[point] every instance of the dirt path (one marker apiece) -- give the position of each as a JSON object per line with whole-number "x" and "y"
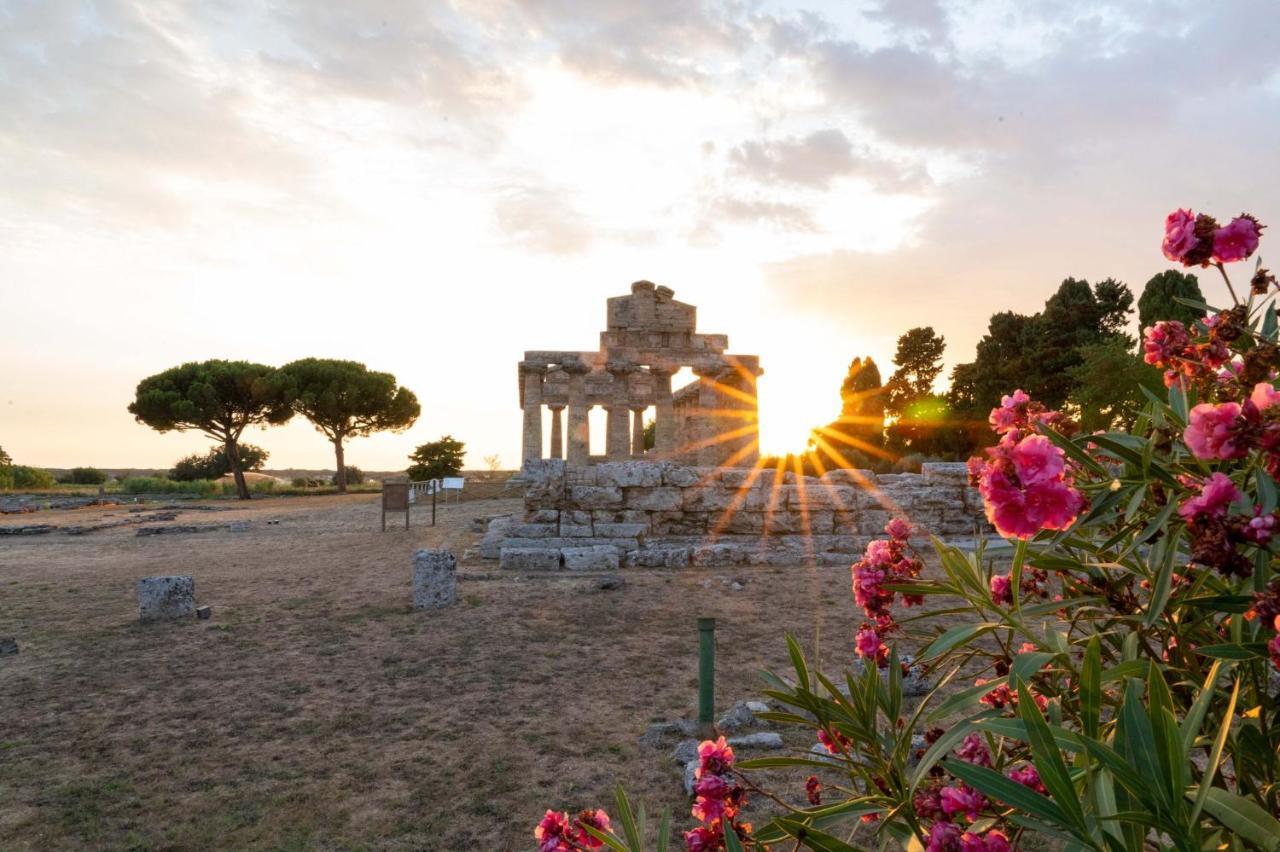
{"x": 318, "y": 710}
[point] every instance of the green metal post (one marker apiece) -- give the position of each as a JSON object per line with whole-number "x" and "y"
{"x": 706, "y": 670}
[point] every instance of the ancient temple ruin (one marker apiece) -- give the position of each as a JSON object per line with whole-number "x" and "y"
{"x": 712, "y": 421}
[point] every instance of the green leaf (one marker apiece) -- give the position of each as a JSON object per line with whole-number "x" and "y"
{"x": 1048, "y": 759}
{"x": 964, "y": 697}
{"x": 1178, "y": 402}
{"x": 1230, "y": 651}
{"x": 731, "y": 841}
{"x": 779, "y": 762}
{"x": 959, "y": 635}
{"x": 943, "y": 745}
{"x": 813, "y": 838}
{"x": 1244, "y": 818}
{"x": 1135, "y": 739}
{"x": 1075, "y": 453}
{"x": 993, "y": 784}
{"x": 628, "y": 820}
{"x": 1091, "y": 688}
{"x": 1027, "y": 664}
{"x": 797, "y": 660}
{"x": 1195, "y": 716}
{"x": 1266, "y": 491}
{"x": 1215, "y": 755}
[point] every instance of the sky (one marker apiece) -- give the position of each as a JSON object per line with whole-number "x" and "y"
{"x": 432, "y": 188}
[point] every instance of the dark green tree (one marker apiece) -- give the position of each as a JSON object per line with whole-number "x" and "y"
{"x": 437, "y": 459}
{"x": 919, "y": 363}
{"x": 858, "y": 433}
{"x": 86, "y": 476}
{"x": 1159, "y": 299}
{"x": 650, "y": 435}
{"x": 354, "y": 476}
{"x": 218, "y": 398}
{"x": 214, "y": 464}
{"x": 1108, "y": 383}
{"x": 1038, "y": 353}
{"x": 5, "y": 458}
{"x": 345, "y": 399}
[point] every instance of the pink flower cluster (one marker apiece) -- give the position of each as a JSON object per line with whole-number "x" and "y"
{"x": 1195, "y": 240}
{"x": 556, "y": 833}
{"x": 717, "y": 799}
{"x": 1024, "y": 481}
{"x": 1035, "y": 583}
{"x": 947, "y": 837}
{"x": 1216, "y": 496}
{"x": 885, "y": 560}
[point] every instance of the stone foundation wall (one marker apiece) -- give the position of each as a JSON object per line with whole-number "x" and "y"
{"x": 664, "y": 515}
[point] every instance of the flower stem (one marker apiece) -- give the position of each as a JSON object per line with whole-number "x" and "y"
{"x": 1231, "y": 289}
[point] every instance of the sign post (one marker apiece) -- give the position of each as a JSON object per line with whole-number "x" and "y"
{"x": 395, "y": 498}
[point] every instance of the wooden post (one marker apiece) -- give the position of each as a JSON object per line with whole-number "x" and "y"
{"x": 433, "y": 501}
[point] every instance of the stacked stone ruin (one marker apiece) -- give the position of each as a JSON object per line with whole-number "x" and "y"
{"x": 698, "y": 497}
{"x": 667, "y": 515}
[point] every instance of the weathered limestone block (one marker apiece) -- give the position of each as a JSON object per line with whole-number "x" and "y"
{"x": 543, "y": 482}
{"x": 644, "y": 474}
{"x": 620, "y": 516}
{"x": 713, "y": 498}
{"x": 576, "y": 530}
{"x": 951, "y": 473}
{"x": 529, "y": 559}
{"x": 594, "y": 496}
{"x": 679, "y": 523}
{"x": 576, "y": 516}
{"x": 745, "y": 523}
{"x": 856, "y": 477}
{"x": 542, "y": 516}
{"x": 871, "y": 522}
{"x": 621, "y": 530}
{"x": 580, "y": 476}
{"x": 717, "y": 554}
{"x": 681, "y": 476}
{"x": 595, "y": 558}
{"x": 733, "y": 478}
{"x": 166, "y": 598}
{"x": 435, "y": 580}
{"x": 499, "y": 530}
{"x": 821, "y": 522}
{"x": 661, "y": 556}
{"x": 662, "y": 499}
{"x": 535, "y": 531}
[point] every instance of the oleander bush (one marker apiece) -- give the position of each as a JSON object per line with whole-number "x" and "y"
{"x": 1109, "y": 681}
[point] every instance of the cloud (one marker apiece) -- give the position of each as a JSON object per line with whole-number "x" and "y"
{"x": 540, "y": 220}
{"x": 656, "y": 42}
{"x": 778, "y": 215}
{"x": 821, "y": 157}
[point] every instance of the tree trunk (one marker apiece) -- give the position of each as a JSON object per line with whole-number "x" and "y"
{"x": 341, "y": 478}
{"x": 232, "y": 450}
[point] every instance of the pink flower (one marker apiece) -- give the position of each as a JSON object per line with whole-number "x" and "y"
{"x": 1028, "y": 777}
{"x": 898, "y": 529}
{"x": 995, "y": 841}
{"x": 1209, "y": 434}
{"x": 943, "y": 837}
{"x": 1264, "y": 395}
{"x": 1237, "y": 240}
{"x": 834, "y": 742}
{"x": 712, "y": 793}
{"x": 597, "y": 819}
{"x": 879, "y": 552}
{"x": 1001, "y": 588}
{"x": 1164, "y": 342}
{"x": 963, "y": 800}
{"x": 1273, "y": 647}
{"x": 1260, "y": 528}
{"x": 701, "y": 839}
{"x": 1011, "y": 414}
{"x": 1179, "y": 234}
{"x": 1216, "y": 495}
{"x": 553, "y": 833}
{"x": 868, "y": 642}
{"x": 813, "y": 790}
{"x": 1037, "y": 459}
{"x": 714, "y": 758}
{"x": 974, "y": 750}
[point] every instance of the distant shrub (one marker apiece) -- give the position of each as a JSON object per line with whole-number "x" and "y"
{"x": 31, "y": 477}
{"x": 213, "y": 464}
{"x": 909, "y": 463}
{"x": 6, "y": 477}
{"x": 262, "y": 486}
{"x": 164, "y": 485}
{"x": 354, "y": 476}
{"x": 86, "y": 476}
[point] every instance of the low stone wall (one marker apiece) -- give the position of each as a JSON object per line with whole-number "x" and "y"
{"x": 664, "y": 515}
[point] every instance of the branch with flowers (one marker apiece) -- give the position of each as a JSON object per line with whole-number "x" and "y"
{"x": 1112, "y": 684}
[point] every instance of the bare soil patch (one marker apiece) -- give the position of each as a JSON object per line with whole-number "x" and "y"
{"x": 318, "y": 710}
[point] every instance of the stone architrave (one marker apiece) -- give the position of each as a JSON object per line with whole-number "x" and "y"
{"x": 435, "y": 581}
{"x": 166, "y": 598}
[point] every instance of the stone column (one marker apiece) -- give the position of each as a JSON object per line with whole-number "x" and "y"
{"x": 709, "y": 421}
{"x": 532, "y": 377}
{"x": 637, "y": 432}
{"x": 618, "y": 426}
{"x": 557, "y": 439}
{"x": 579, "y": 451}
{"x": 664, "y": 445}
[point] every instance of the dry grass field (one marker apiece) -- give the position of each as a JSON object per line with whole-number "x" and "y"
{"x": 318, "y": 710}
